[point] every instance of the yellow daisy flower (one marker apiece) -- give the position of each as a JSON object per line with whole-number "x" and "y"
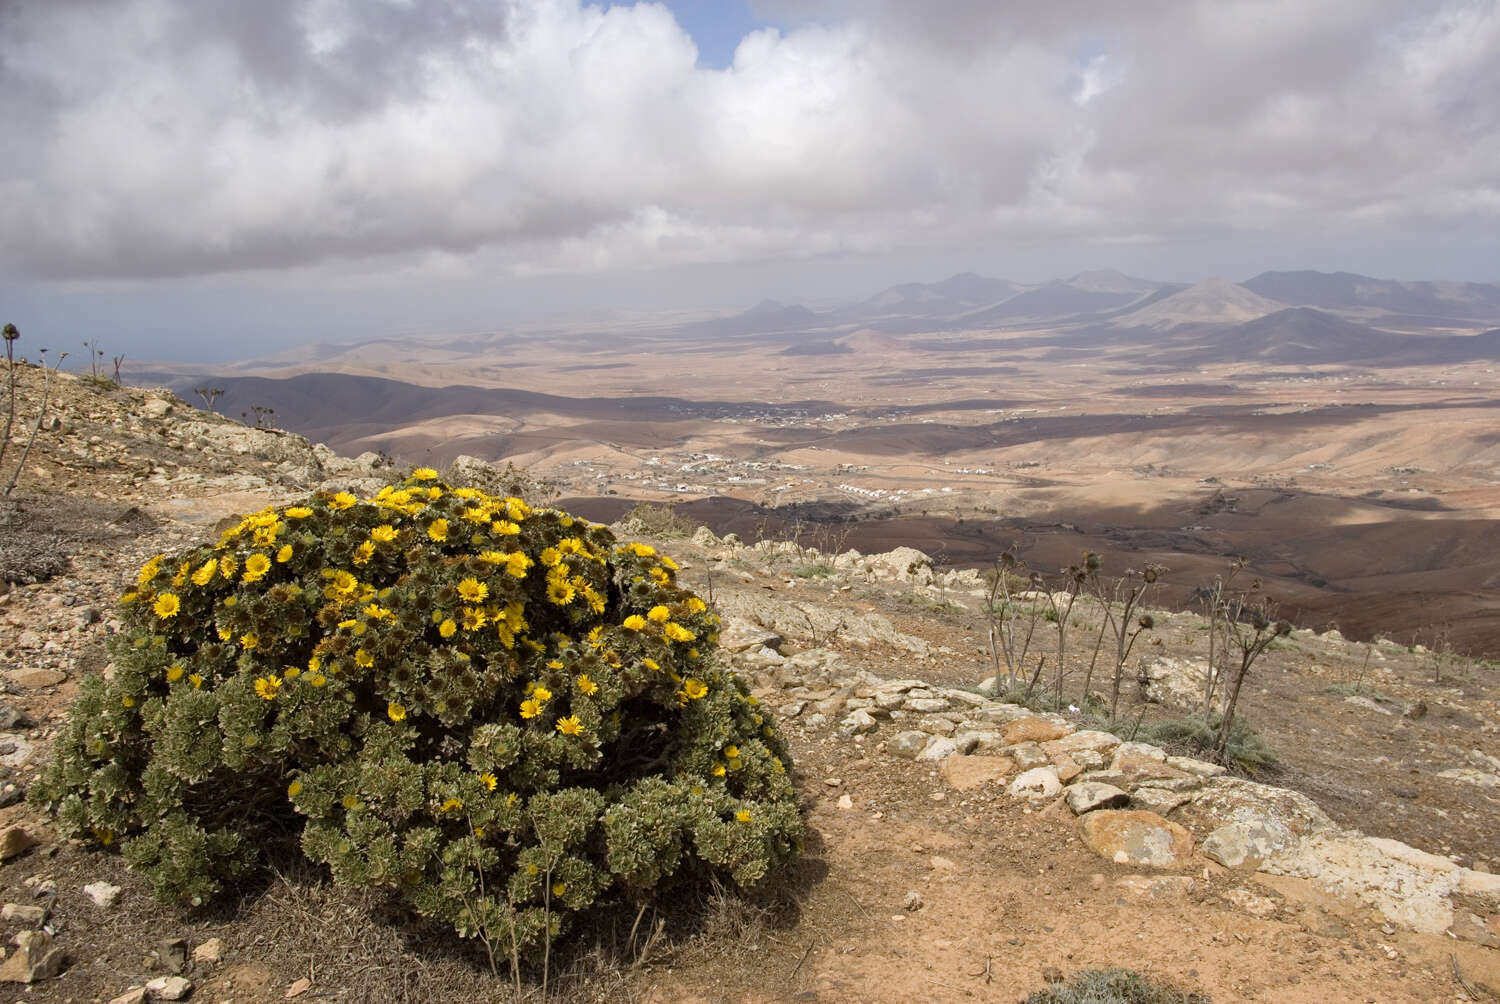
{"x": 569, "y": 726}
{"x": 167, "y": 605}
{"x": 472, "y": 590}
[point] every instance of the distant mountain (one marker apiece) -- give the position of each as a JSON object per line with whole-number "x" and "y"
{"x": 1348, "y": 291}
{"x": 959, "y": 294}
{"x": 1107, "y": 280}
{"x": 1212, "y": 301}
{"x": 1052, "y": 300}
{"x": 1301, "y": 336}
{"x": 765, "y": 318}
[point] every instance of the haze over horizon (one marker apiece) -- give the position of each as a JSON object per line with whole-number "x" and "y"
{"x": 209, "y": 180}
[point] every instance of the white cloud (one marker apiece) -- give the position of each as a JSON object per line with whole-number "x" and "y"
{"x": 179, "y": 137}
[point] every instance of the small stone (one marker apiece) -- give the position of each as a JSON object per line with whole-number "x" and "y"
{"x": 45, "y": 887}
{"x": 24, "y": 914}
{"x": 1089, "y": 796}
{"x": 816, "y": 720}
{"x": 102, "y": 893}
{"x": 1192, "y": 766}
{"x": 1256, "y": 906}
{"x": 913, "y": 902}
{"x": 833, "y": 782}
{"x": 135, "y": 995}
{"x": 908, "y": 744}
{"x": 940, "y": 748}
{"x": 173, "y": 954}
{"x": 12, "y": 718}
{"x": 298, "y": 988}
{"x": 37, "y": 679}
{"x": 926, "y": 705}
{"x": 857, "y": 723}
{"x": 1036, "y": 784}
{"x": 845, "y": 802}
{"x": 15, "y": 840}
{"x": 1067, "y": 767}
{"x": 35, "y": 958}
{"x": 1027, "y": 756}
{"x": 1156, "y": 886}
{"x": 1159, "y": 800}
{"x": 210, "y": 953}
{"x": 169, "y": 988}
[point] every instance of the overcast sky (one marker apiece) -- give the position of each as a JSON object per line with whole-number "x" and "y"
{"x": 217, "y": 178}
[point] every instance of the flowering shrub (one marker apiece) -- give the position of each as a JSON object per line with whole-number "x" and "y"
{"x": 492, "y": 710}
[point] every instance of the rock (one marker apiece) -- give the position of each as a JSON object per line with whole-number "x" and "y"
{"x": 989, "y": 687}
{"x": 37, "y": 679}
{"x": 845, "y": 802}
{"x": 135, "y": 995}
{"x": 1036, "y": 784}
{"x": 1156, "y": 886}
{"x": 1067, "y": 767}
{"x": 1088, "y": 739}
{"x": 965, "y": 773}
{"x": 169, "y": 988}
{"x": 816, "y": 720}
{"x": 1256, "y": 906}
{"x": 173, "y": 954}
{"x": 1089, "y": 796}
{"x": 11, "y": 718}
{"x": 1202, "y": 768}
{"x": 857, "y": 723}
{"x": 210, "y": 953}
{"x": 24, "y": 913}
{"x": 926, "y": 705}
{"x": 1127, "y": 754}
{"x": 1033, "y": 729}
{"x": 940, "y": 748}
{"x": 102, "y": 893}
{"x": 1158, "y": 800}
{"x": 1469, "y": 926}
{"x": 15, "y": 840}
{"x": 1179, "y": 682}
{"x": 1027, "y": 756}
{"x": 738, "y": 636}
{"x": 300, "y": 986}
{"x": 913, "y": 902}
{"x": 908, "y": 744}
{"x": 155, "y": 407}
{"x": 1231, "y": 800}
{"x": 1140, "y": 839}
{"x": 1247, "y": 844}
{"x": 35, "y": 958}
{"x": 1408, "y": 887}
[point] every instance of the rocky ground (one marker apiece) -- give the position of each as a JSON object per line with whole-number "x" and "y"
{"x": 960, "y": 846}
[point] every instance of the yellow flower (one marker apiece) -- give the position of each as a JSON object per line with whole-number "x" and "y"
{"x": 493, "y": 557}
{"x": 489, "y": 781}
{"x": 316, "y": 679}
{"x": 130, "y": 597}
{"x": 676, "y": 632}
{"x": 256, "y": 567}
{"x": 376, "y": 612}
{"x": 651, "y": 664}
{"x": 718, "y": 770}
{"x": 434, "y": 493}
{"x": 148, "y": 571}
{"x": 448, "y": 628}
{"x": 695, "y": 605}
{"x": 558, "y": 888}
{"x": 743, "y": 816}
{"x": 383, "y": 534}
{"x": 424, "y": 474}
{"x": 228, "y": 566}
{"x": 363, "y": 658}
{"x": 660, "y": 577}
{"x": 569, "y": 726}
{"x": 693, "y": 688}
{"x": 731, "y": 752}
{"x": 196, "y": 680}
{"x": 669, "y": 562}
{"x": 395, "y": 712}
{"x": 351, "y": 801}
{"x": 541, "y": 693}
{"x": 634, "y": 622}
{"x": 128, "y": 701}
{"x": 174, "y": 672}
{"x": 340, "y": 500}
{"x": 284, "y": 555}
{"x": 516, "y": 509}
{"x": 474, "y": 618}
{"x": 550, "y": 556}
{"x": 474, "y": 514}
{"x": 517, "y": 563}
{"x": 585, "y": 685}
{"x": 659, "y": 614}
{"x": 298, "y": 512}
{"x": 438, "y": 530}
{"x": 205, "y": 573}
{"x": 560, "y": 593}
{"x": 167, "y": 605}
{"x": 250, "y": 639}
{"x": 452, "y": 805}
{"x": 364, "y": 552}
{"x": 472, "y": 590}
{"x": 267, "y": 686}
{"x": 504, "y": 528}
{"x": 642, "y": 550}
{"x": 530, "y": 708}
{"x": 294, "y": 789}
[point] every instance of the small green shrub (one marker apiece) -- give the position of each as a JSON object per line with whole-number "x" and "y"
{"x": 1247, "y": 751}
{"x": 492, "y": 711}
{"x": 813, "y": 571}
{"x": 657, "y": 520}
{"x": 1113, "y": 986}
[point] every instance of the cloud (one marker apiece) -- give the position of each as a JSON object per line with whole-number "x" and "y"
{"x": 154, "y": 138}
